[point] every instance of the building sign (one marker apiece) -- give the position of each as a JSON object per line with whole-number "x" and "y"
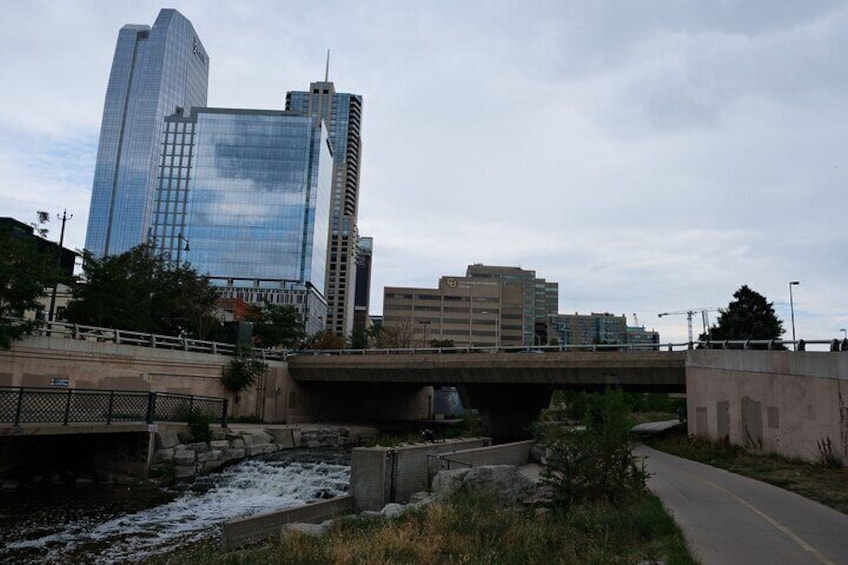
{"x": 59, "y": 382}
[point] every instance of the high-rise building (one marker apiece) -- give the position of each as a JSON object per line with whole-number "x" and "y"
{"x": 154, "y": 71}
{"x": 490, "y": 306}
{"x": 244, "y": 197}
{"x": 342, "y": 114}
{"x": 540, "y": 298}
{"x": 364, "y": 252}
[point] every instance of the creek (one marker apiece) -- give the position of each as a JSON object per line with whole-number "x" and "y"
{"x": 111, "y": 525}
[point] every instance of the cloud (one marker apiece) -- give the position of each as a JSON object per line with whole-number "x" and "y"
{"x": 648, "y": 158}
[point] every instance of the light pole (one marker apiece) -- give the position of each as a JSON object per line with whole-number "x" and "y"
{"x": 844, "y": 333}
{"x": 187, "y": 248}
{"x": 64, "y": 217}
{"x": 424, "y": 323}
{"x": 792, "y": 313}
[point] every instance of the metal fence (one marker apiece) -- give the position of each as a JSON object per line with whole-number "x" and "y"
{"x": 31, "y": 405}
{"x": 156, "y": 341}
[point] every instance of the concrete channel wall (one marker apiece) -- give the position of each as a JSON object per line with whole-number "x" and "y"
{"x": 380, "y": 475}
{"x": 517, "y": 453}
{"x": 237, "y": 533}
{"x": 791, "y": 403}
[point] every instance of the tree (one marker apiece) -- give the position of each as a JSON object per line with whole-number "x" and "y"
{"x": 275, "y": 324}
{"x": 396, "y": 336}
{"x": 24, "y": 274}
{"x": 144, "y": 292}
{"x": 749, "y": 316}
{"x": 326, "y": 340}
{"x": 38, "y": 226}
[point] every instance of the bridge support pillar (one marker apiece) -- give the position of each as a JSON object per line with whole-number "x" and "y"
{"x": 507, "y": 410}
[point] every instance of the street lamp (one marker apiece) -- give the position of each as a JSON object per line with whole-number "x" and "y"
{"x": 844, "y": 333}
{"x": 180, "y": 239}
{"x": 51, "y": 314}
{"x": 792, "y": 313}
{"x": 424, "y": 323}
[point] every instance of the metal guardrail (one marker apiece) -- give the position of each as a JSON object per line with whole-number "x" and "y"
{"x": 36, "y": 405}
{"x": 111, "y": 335}
{"x": 750, "y": 344}
{"x": 156, "y": 341}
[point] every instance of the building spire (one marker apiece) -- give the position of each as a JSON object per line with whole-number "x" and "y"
{"x": 327, "y": 68}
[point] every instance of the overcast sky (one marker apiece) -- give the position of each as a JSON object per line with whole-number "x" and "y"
{"x": 649, "y": 156}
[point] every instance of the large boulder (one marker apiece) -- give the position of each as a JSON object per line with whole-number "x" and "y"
{"x": 503, "y": 483}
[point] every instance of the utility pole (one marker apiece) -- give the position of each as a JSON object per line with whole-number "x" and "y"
{"x": 64, "y": 217}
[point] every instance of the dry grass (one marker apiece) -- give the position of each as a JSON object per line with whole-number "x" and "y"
{"x": 474, "y": 531}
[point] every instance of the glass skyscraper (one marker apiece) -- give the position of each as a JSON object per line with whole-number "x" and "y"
{"x": 244, "y": 196}
{"x": 342, "y": 114}
{"x": 154, "y": 71}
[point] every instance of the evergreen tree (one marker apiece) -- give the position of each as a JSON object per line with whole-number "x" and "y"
{"x": 748, "y": 316}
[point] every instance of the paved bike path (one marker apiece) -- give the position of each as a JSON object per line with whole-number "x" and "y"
{"x": 729, "y": 519}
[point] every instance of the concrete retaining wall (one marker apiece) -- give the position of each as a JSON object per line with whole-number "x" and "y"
{"x": 37, "y": 361}
{"x": 517, "y": 453}
{"x": 237, "y": 533}
{"x": 775, "y": 401}
{"x": 380, "y": 475}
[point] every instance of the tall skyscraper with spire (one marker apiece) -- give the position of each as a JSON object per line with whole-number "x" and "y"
{"x": 342, "y": 114}
{"x": 155, "y": 72}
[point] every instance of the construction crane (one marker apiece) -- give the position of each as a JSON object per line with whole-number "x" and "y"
{"x": 689, "y": 314}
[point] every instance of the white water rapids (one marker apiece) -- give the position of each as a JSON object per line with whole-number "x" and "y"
{"x": 249, "y": 488}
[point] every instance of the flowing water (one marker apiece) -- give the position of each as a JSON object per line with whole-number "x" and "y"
{"x": 115, "y": 525}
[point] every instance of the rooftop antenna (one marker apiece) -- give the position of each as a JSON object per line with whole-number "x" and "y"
{"x": 327, "y": 68}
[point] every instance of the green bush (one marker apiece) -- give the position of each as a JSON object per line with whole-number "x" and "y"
{"x": 198, "y": 423}
{"x": 595, "y": 464}
{"x": 243, "y": 370}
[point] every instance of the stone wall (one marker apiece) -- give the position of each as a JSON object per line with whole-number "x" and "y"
{"x": 176, "y": 448}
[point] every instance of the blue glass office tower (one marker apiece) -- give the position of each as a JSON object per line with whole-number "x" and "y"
{"x": 154, "y": 71}
{"x": 342, "y": 114}
{"x": 244, "y": 196}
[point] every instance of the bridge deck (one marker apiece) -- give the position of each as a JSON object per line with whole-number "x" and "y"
{"x": 646, "y": 370}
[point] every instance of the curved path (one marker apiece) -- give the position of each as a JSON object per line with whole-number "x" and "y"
{"x": 728, "y": 519}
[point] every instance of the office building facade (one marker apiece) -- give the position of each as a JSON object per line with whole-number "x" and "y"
{"x": 244, "y": 197}
{"x": 154, "y": 71}
{"x": 362, "y": 295}
{"x": 589, "y": 329}
{"x": 488, "y": 307}
{"x": 342, "y": 114}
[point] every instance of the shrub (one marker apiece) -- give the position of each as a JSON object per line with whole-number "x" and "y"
{"x": 243, "y": 370}
{"x": 198, "y": 423}
{"x": 595, "y": 464}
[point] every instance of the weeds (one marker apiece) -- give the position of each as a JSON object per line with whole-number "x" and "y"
{"x": 472, "y": 530}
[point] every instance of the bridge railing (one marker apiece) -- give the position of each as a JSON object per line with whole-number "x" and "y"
{"x": 126, "y": 337}
{"x": 767, "y": 344}
{"x": 36, "y": 405}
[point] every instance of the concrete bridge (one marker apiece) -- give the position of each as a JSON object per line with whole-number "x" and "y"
{"x": 508, "y": 389}
{"x": 780, "y": 400}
